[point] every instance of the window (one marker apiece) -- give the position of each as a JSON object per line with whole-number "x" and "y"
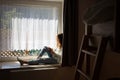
{"x": 27, "y": 27}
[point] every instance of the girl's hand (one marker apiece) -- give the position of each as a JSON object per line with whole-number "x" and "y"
{"x": 51, "y": 50}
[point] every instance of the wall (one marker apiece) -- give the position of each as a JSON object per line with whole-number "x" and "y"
{"x": 83, "y": 5}
{"x": 111, "y": 65}
{"x": 65, "y": 73}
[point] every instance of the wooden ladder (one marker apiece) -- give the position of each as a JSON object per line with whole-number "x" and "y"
{"x": 90, "y": 57}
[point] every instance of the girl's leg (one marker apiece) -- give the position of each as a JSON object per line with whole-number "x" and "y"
{"x": 44, "y": 50}
{"x": 48, "y": 61}
{"x": 33, "y": 62}
{"x": 22, "y": 61}
{"x": 40, "y": 61}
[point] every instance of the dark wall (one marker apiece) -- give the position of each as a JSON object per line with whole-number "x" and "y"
{"x": 83, "y": 5}
{"x": 65, "y": 73}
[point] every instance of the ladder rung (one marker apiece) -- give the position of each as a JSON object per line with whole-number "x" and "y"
{"x": 83, "y": 74}
{"x": 87, "y": 52}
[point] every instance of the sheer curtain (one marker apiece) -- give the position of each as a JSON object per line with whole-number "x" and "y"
{"x": 28, "y": 27}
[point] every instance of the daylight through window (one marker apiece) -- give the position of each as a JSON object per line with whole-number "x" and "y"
{"x": 28, "y": 27}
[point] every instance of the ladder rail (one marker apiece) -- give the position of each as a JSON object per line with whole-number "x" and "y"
{"x": 98, "y": 60}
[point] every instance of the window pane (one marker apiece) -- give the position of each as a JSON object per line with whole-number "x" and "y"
{"x": 28, "y": 27}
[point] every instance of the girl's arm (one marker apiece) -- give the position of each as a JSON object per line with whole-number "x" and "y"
{"x": 51, "y": 50}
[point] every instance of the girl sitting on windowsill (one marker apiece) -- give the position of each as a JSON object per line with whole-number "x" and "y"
{"x": 54, "y": 56}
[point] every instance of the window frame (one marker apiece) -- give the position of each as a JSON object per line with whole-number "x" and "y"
{"x": 59, "y": 4}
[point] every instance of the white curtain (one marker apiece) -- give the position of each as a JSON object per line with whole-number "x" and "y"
{"x": 28, "y": 27}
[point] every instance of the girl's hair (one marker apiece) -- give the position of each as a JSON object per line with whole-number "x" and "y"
{"x": 60, "y": 38}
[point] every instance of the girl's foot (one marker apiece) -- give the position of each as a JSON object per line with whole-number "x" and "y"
{"x": 21, "y": 61}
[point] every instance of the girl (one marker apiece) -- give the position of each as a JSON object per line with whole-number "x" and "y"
{"x": 54, "y": 56}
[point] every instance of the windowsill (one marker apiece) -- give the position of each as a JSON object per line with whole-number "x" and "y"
{"x": 15, "y": 65}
